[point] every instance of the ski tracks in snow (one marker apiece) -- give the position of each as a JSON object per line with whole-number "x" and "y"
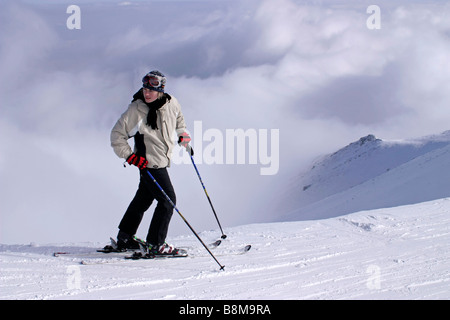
{"x": 398, "y": 253}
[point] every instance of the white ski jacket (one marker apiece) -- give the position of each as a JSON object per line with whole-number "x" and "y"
{"x": 158, "y": 143}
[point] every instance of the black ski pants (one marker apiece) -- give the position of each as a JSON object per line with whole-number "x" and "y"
{"x": 146, "y": 193}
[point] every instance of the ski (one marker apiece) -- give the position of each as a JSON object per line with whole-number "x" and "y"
{"x": 215, "y": 244}
{"x": 246, "y": 248}
{"x": 139, "y": 255}
{"x": 108, "y": 249}
{"x": 94, "y": 261}
{"x": 113, "y": 248}
{"x": 111, "y": 253}
{"x": 210, "y": 246}
{"x": 183, "y": 253}
{"x": 125, "y": 255}
{"x": 233, "y": 252}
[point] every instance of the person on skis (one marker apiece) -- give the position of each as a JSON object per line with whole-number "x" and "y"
{"x": 150, "y": 119}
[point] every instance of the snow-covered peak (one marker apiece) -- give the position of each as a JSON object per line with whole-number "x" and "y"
{"x": 356, "y": 163}
{"x": 367, "y": 139}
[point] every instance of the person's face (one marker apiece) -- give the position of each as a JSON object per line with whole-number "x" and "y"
{"x": 150, "y": 95}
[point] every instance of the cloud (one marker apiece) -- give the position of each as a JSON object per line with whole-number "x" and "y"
{"x": 25, "y": 41}
{"x": 358, "y": 99}
{"x": 311, "y": 69}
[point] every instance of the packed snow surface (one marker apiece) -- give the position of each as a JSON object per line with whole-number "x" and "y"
{"x": 395, "y": 253}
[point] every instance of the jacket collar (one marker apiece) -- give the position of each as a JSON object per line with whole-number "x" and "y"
{"x": 142, "y": 106}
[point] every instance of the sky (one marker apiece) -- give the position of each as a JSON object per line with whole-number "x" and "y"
{"x": 294, "y": 79}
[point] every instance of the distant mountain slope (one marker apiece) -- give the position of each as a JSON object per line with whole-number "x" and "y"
{"x": 371, "y": 173}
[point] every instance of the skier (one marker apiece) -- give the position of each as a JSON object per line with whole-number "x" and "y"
{"x": 150, "y": 119}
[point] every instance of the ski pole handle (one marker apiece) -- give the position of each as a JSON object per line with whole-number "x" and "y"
{"x": 189, "y": 150}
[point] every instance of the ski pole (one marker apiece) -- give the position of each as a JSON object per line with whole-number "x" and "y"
{"x": 190, "y": 151}
{"x": 184, "y": 219}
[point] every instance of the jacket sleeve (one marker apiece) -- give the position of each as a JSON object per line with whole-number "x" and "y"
{"x": 120, "y": 134}
{"x": 181, "y": 124}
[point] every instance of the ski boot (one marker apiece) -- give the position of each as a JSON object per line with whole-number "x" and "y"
{"x": 125, "y": 242}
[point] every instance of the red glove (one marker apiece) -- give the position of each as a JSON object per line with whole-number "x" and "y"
{"x": 138, "y": 161}
{"x": 184, "y": 139}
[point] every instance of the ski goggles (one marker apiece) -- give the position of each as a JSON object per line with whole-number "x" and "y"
{"x": 154, "y": 82}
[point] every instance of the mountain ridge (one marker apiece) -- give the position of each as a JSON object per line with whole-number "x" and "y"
{"x": 362, "y": 161}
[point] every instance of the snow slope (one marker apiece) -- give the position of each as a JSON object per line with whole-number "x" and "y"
{"x": 370, "y": 174}
{"x": 396, "y": 253}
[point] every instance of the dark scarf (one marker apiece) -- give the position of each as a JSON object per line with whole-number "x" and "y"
{"x": 152, "y": 106}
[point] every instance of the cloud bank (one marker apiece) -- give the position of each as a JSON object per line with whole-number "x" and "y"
{"x": 311, "y": 69}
